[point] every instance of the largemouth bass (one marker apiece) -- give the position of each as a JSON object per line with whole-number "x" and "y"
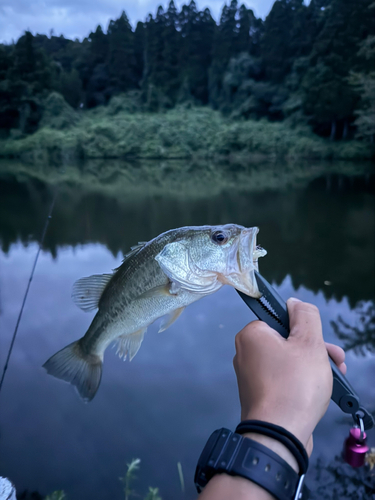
{"x": 157, "y": 278}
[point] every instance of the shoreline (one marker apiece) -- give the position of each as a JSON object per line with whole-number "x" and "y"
{"x": 196, "y": 134}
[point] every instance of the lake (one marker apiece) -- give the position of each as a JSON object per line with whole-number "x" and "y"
{"x": 317, "y": 222}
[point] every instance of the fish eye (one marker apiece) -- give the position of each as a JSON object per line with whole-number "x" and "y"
{"x": 219, "y": 237}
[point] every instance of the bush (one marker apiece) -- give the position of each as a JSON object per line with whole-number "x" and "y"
{"x": 57, "y": 114}
{"x": 198, "y": 132}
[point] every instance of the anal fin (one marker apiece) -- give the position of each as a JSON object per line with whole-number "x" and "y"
{"x": 128, "y": 345}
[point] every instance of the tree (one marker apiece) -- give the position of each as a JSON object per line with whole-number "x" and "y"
{"x": 364, "y": 84}
{"x": 121, "y": 56}
{"x": 31, "y": 65}
{"x": 283, "y": 39}
{"x": 94, "y": 70}
{"x": 27, "y": 75}
{"x": 329, "y": 98}
{"x": 197, "y": 37}
{"x": 238, "y": 31}
{"x": 71, "y": 88}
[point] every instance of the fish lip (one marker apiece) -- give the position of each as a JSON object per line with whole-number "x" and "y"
{"x": 242, "y": 262}
{"x": 248, "y": 261}
{"x": 246, "y": 256}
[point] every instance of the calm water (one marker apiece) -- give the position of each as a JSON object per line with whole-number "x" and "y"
{"x": 319, "y": 231}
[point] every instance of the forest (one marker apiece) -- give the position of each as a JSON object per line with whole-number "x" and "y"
{"x": 305, "y": 75}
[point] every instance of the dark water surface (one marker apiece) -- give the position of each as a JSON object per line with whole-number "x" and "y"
{"x": 318, "y": 228}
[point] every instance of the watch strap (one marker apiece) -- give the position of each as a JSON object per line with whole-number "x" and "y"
{"x": 280, "y": 434}
{"x": 238, "y": 456}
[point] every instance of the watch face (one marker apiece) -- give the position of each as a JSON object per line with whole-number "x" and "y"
{"x": 205, "y": 470}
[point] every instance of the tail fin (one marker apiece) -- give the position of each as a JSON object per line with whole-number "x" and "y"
{"x": 74, "y": 366}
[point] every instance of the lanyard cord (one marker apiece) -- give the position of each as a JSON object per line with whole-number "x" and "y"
{"x": 27, "y": 288}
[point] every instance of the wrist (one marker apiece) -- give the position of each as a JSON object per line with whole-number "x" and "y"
{"x": 297, "y": 426}
{"x": 267, "y": 466}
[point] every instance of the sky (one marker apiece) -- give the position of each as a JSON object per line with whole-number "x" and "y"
{"x": 77, "y": 18}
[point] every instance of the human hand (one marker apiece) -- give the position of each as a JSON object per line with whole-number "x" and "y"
{"x": 287, "y": 382}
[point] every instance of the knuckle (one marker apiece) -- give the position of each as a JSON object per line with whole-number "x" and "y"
{"x": 248, "y": 332}
{"x": 307, "y": 308}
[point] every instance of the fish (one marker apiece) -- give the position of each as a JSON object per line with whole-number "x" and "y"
{"x": 158, "y": 278}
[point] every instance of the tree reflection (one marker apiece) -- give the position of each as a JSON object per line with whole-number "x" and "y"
{"x": 317, "y": 231}
{"x": 339, "y": 481}
{"x": 359, "y": 337}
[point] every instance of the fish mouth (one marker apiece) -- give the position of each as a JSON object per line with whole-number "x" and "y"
{"x": 242, "y": 275}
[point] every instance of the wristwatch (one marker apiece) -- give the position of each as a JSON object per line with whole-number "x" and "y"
{"x": 228, "y": 452}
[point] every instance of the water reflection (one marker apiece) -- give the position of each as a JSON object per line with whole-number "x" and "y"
{"x": 317, "y": 236}
{"x": 359, "y": 336}
{"x": 338, "y": 480}
{"x": 181, "y": 385}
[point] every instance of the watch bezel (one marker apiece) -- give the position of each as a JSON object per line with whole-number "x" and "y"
{"x": 204, "y": 472}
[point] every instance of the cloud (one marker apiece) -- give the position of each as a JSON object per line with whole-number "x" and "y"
{"x": 77, "y": 18}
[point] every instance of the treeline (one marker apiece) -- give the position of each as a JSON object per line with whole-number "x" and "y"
{"x": 308, "y": 64}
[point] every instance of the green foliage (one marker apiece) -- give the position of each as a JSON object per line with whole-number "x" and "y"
{"x": 295, "y": 65}
{"x": 153, "y": 494}
{"x": 56, "y": 495}
{"x": 329, "y": 99}
{"x": 57, "y": 114}
{"x": 127, "y": 480}
{"x": 365, "y": 87}
{"x": 196, "y": 132}
{"x": 181, "y": 476}
{"x": 71, "y": 88}
{"x": 125, "y": 103}
{"x": 286, "y": 36}
{"x": 364, "y": 84}
{"x": 129, "y": 477}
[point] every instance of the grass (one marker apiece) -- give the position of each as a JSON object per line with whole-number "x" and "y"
{"x": 180, "y": 133}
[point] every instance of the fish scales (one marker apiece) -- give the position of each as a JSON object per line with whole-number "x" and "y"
{"x": 157, "y": 278}
{"x": 137, "y": 275}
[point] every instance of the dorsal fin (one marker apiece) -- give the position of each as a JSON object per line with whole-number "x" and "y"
{"x": 86, "y": 292}
{"x": 134, "y": 249}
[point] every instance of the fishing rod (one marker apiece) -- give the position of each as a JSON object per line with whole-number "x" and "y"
{"x": 46, "y": 224}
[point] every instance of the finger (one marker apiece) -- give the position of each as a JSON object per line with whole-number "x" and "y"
{"x": 343, "y": 368}
{"x": 336, "y": 353}
{"x": 304, "y": 321}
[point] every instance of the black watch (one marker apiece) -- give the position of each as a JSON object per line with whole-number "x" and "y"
{"x": 228, "y": 452}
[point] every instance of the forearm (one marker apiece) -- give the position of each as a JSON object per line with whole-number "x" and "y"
{"x": 225, "y": 487}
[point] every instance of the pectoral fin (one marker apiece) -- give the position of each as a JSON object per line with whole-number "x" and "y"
{"x": 86, "y": 292}
{"x": 128, "y": 345}
{"x": 170, "y": 318}
{"x": 163, "y": 290}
